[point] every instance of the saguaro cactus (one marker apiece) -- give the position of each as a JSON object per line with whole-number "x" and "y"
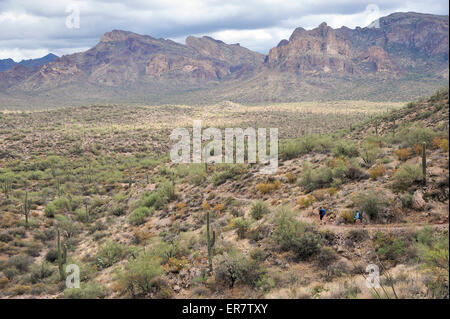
{"x": 424, "y": 163}
{"x": 62, "y": 257}
{"x": 210, "y": 241}
{"x": 26, "y": 208}
{"x": 87, "y": 212}
{"x": 393, "y": 127}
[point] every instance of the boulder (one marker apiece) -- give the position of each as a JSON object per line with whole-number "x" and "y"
{"x": 418, "y": 202}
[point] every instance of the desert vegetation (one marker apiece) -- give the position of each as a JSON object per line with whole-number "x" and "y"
{"x": 93, "y": 186}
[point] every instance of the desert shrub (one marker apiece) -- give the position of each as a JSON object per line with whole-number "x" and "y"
{"x": 5, "y": 237}
{"x": 407, "y": 200}
{"x": 418, "y": 149}
{"x": 137, "y": 216}
{"x": 406, "y": 176}
{"x": 232, "y": 268}
{"x": 10, "y": 272}
{"x": 228, "y": 172}
{"x": 377, "y": 171}
{"x": 435, "y": 257}
{"x": 167, "y": 190}
{"x": 86, "y": 291}
{"x": 313, "y": 142}
{"x": 111, "y": 253}
{"x": 20, "y": 262}
{"x": 369, "y": 152}
{"x": 316, "y": 178}
{"x": 291, "y": 178}
{"x": 416, "y": 135}
{"x": 140, "y": 275}
{"x": 51, "y": 255}
{"x": 265, "y": 188}
{"x": 259, "y": 209}
{"x": 40, "y": 272}
{"x": 118, "y": 210}
{"x": 306, "y": 201}
{"x": 348, "y": 216}
{"x": 345, "y": 148}
{"x": 296, "y": 236}
{"x": 353, "y": 171}
{"x": 403, "y": 154}
{"x": 242, "y": 226}
{"x": 50, "y": 210}
{"x": 443, "y": 144}
{"x": 371, "y": 203}
{"x": 33, "y": 249}
{"x": 388, "y": 247}
{"x": 326, "y": 257}
{"x": 258, "y": 254}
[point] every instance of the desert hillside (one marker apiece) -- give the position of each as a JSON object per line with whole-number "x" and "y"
{"x": 93, "y": 186}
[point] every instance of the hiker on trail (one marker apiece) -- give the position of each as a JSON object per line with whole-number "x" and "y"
{"x": 358, "y": 216}
{"x": 321, "y": 212}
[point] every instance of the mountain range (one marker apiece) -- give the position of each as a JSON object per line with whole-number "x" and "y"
{"x": 7, "y": 64}
{"x": 397, "y": 57}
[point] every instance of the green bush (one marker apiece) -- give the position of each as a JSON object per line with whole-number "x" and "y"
{"x": 242, "y": 225}
{"x": 140, "y": 274}
{"x": 416, "y": 135}
{"x": 40, "y": 272}
{"x": 86, "y": 291}
{"x": 229, "y": 172}
{"x": 233, "y": 267}
{"x": 371, "y": 203}
{"x": 406, "y": 176}
{"x": 111, "y": 253}
{"x": 316, "y": 178}
{"x": 435, "y": 257}
{"x": 259, "y": 209}
{"x": 50, "y": 210}
{"x": 294, "y": 235}
{"x": 326, "y": 257}
{"x": 389, "y": 247}
{"x": 20, "y": 262}
{"x": 137, "y": 216}
{"x": 345, "y": 148}
{"x": 294, "y": 148}
{"x": 407, "y": 200}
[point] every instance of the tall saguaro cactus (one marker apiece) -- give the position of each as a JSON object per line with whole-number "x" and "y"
{"x": 26, "y": 208}
{"x": 210, "y": 241}
{"x": 62, "y": 257}
{"x": 393, "y": 127}
{"x": 424, "y": 163}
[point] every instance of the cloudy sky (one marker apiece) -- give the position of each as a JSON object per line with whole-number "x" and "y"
{"x": 33, "y": 28}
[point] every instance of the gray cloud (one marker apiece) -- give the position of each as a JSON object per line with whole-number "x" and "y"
{"x": 31, "y": 27}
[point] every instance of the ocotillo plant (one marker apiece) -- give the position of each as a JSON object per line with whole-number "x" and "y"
{"x": 376, "y": 128}
{"x": 424, "y": 163}
{"x": 393, "y": 127}
{"x": 62, "y": 257}
{"x": 26, "y": 208}
{"x": 210, "y": 241}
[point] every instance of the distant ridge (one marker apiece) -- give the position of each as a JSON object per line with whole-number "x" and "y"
{"x": 7, "y": 64}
